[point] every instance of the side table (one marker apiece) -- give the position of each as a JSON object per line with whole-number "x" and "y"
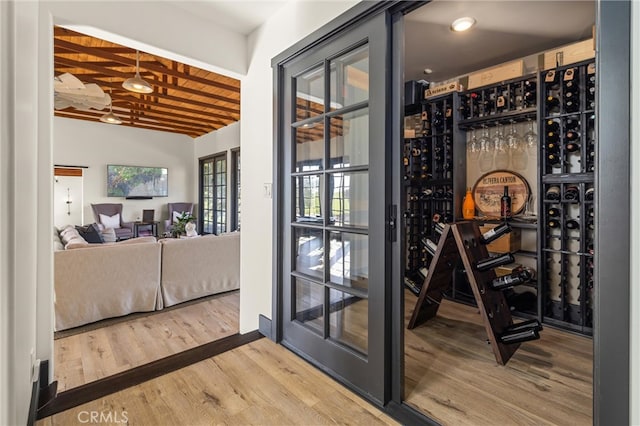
{"x": 145, "y": 226}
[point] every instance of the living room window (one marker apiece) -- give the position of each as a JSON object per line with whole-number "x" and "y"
{"x": 235, "y": 189}
{"x": 213, "y": 194}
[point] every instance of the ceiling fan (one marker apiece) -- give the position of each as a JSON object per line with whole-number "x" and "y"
{"x": 69, "y": 91}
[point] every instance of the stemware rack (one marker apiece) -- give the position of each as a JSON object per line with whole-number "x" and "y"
{"x": 435, "y": 182}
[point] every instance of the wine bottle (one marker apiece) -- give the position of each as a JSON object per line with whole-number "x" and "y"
{"x": 552, "y": 102}
{"x": 534, "y": 323}
{"x": 412, "y": 285}
{"x": 438, "y": 228}
{"x": 553, "y": 193}
{"x": 571, "y": 193}
{"x": 512, "y": 280}
{"x": 553, "y": 126}
{"x": 572, "y": 147}
{"x": 553, "y": 223}
{"x": 553, "y": 136}
{"x": 505, "y": 204}
{"x": 571, "y": 124}
{"x": 529, "y": 98}
{"x": 429, "y": 245}
{"x": 519, "y": 336}
{"x": 553, "y": 212}
{"x": 495, "y": 233}
{"x": 572, "y": 224}
{"x": 571, "y": 105}
{"x": 494, "y": 262}
{"x": 554, "y": 160}
{"x": 468, "y": 206}
{"x": 572, "y": 135}
{"x": 588, "y": 194}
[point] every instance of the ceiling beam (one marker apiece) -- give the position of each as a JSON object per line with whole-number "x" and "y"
{"x": 95, "y": 51}
{"x": 111, "y": 72}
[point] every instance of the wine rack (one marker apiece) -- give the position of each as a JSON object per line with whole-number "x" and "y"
{"x": 567, "y": 166}
{"x": 510, "y": 100}
{"x": 432, "y": 193}
{"x": 496, "y": 105}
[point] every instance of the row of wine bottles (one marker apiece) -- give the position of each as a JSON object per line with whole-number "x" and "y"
{"x": 564, "y": 92}
{"x": 427, "y": 158}
{"x": 497, "y": 100}
{"x": 436, "y": 118}
{"x": 570, "y": 194}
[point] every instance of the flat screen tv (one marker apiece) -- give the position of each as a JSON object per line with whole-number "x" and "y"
{"x": 137, "y": 181}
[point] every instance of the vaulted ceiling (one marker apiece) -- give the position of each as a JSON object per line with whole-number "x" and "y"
{"x": 185, "y": 99}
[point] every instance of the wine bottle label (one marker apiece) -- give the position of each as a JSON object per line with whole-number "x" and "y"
{"x": 568, "y": 75}
{"x": 550, "y": 77}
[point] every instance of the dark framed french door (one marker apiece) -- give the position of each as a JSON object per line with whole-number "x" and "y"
{"x": 213, "y": 194}
{"x": 333, "y": 206}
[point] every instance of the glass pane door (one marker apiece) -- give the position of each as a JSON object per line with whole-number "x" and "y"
{"x": 334, "y": 226}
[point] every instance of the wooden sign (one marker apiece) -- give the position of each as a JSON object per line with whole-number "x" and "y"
{"x": 569, "y": 54}
{"x": 442, "y": 89}
{"x": 502, "y": 72}
{"x": 489, "y": 189}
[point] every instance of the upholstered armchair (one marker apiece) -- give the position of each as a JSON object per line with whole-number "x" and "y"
{"x": 175, "y": 210}
{"x": 123, "y": 230}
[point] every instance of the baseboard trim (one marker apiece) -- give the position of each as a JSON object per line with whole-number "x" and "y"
{"x": 108, "y": 385}
{"x": 264, "y": 326}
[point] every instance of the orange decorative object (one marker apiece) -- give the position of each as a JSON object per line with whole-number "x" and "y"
{"x": 468, "y": 206}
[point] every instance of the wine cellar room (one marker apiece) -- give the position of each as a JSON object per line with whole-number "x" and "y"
{"x": 498, "y": 172}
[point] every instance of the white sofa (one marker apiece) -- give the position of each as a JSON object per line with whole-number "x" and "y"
{"x": 101, "y": 281}
{"x": 93, "y": 282}
{"x": 199, "y": 266}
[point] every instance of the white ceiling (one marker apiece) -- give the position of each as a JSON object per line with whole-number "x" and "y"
{"x": 237, "y": 15}
{"x": 505, "y": 30}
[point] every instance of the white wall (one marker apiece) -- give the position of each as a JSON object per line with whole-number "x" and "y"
{"x": 634, "y": 334}
{"x": 92, "y": 144}
{"x": 223, "y": 140}
{"x": 159, "y": 27}
{"x": 291, "y": 23}
{"x": 20, "y": 158}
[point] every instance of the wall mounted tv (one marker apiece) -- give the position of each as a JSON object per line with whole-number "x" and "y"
{"x": 137, "y": 181}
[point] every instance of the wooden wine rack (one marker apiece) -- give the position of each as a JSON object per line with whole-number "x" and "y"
{"x": 462, "y": 240}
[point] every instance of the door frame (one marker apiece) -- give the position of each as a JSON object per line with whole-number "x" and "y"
{"x": 611, "y": 372}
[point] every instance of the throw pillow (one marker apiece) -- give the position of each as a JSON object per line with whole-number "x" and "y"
{"x": 110, "y": 221}
{"x": 176, "y": 215}
{"x": 109, "y": 235}
{"x": 91, "y": 233}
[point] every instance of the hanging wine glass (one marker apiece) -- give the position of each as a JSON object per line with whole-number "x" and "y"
{"x": 517, "y": 148}
{"x": 473, "y": 147}
{"x": 501, "y": 149}
{"x": 485, "y": 159}
{"x": 531, "y": 139}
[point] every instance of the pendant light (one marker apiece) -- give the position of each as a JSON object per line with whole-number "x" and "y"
{"x": 110, "y": 117}
{"x": 137, "y": 84}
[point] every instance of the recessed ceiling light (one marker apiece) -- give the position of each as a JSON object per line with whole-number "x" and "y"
{"x": 462, "y": 24}
{"x": 428, "y": 71}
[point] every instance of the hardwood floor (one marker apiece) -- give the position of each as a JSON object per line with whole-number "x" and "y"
{"x": 260, "y": 383}
{"x": 104, "y": 351}
{"x": 452, "y": 376}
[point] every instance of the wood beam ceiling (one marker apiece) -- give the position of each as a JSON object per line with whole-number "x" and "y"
{"x": 185, "y": 100}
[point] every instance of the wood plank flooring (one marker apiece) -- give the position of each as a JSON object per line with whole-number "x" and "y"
{"x": 260, "y": 383}
{"x": 452, "y": 376}
{"x": 102, "y": 352}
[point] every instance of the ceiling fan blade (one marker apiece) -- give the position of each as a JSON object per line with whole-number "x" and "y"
{"x": 67, "y": 81}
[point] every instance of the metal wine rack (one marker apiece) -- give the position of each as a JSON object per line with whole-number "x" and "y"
{"x": 432, "y": 192}
{"x": 567, "y": 211}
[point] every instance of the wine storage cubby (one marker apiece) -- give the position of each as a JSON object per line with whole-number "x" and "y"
{"x": 489, "y": 115}
{"x": 567, "y": 211}
{"x": 561, "y": 105}
{"x": 432, "y": 193}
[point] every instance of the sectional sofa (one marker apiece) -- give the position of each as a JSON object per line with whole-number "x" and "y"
{"x": 93, "y": 282}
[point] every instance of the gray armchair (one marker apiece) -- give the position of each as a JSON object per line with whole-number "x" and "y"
{"x": 179, "y": 208}
{"x": 126, "y": 228}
